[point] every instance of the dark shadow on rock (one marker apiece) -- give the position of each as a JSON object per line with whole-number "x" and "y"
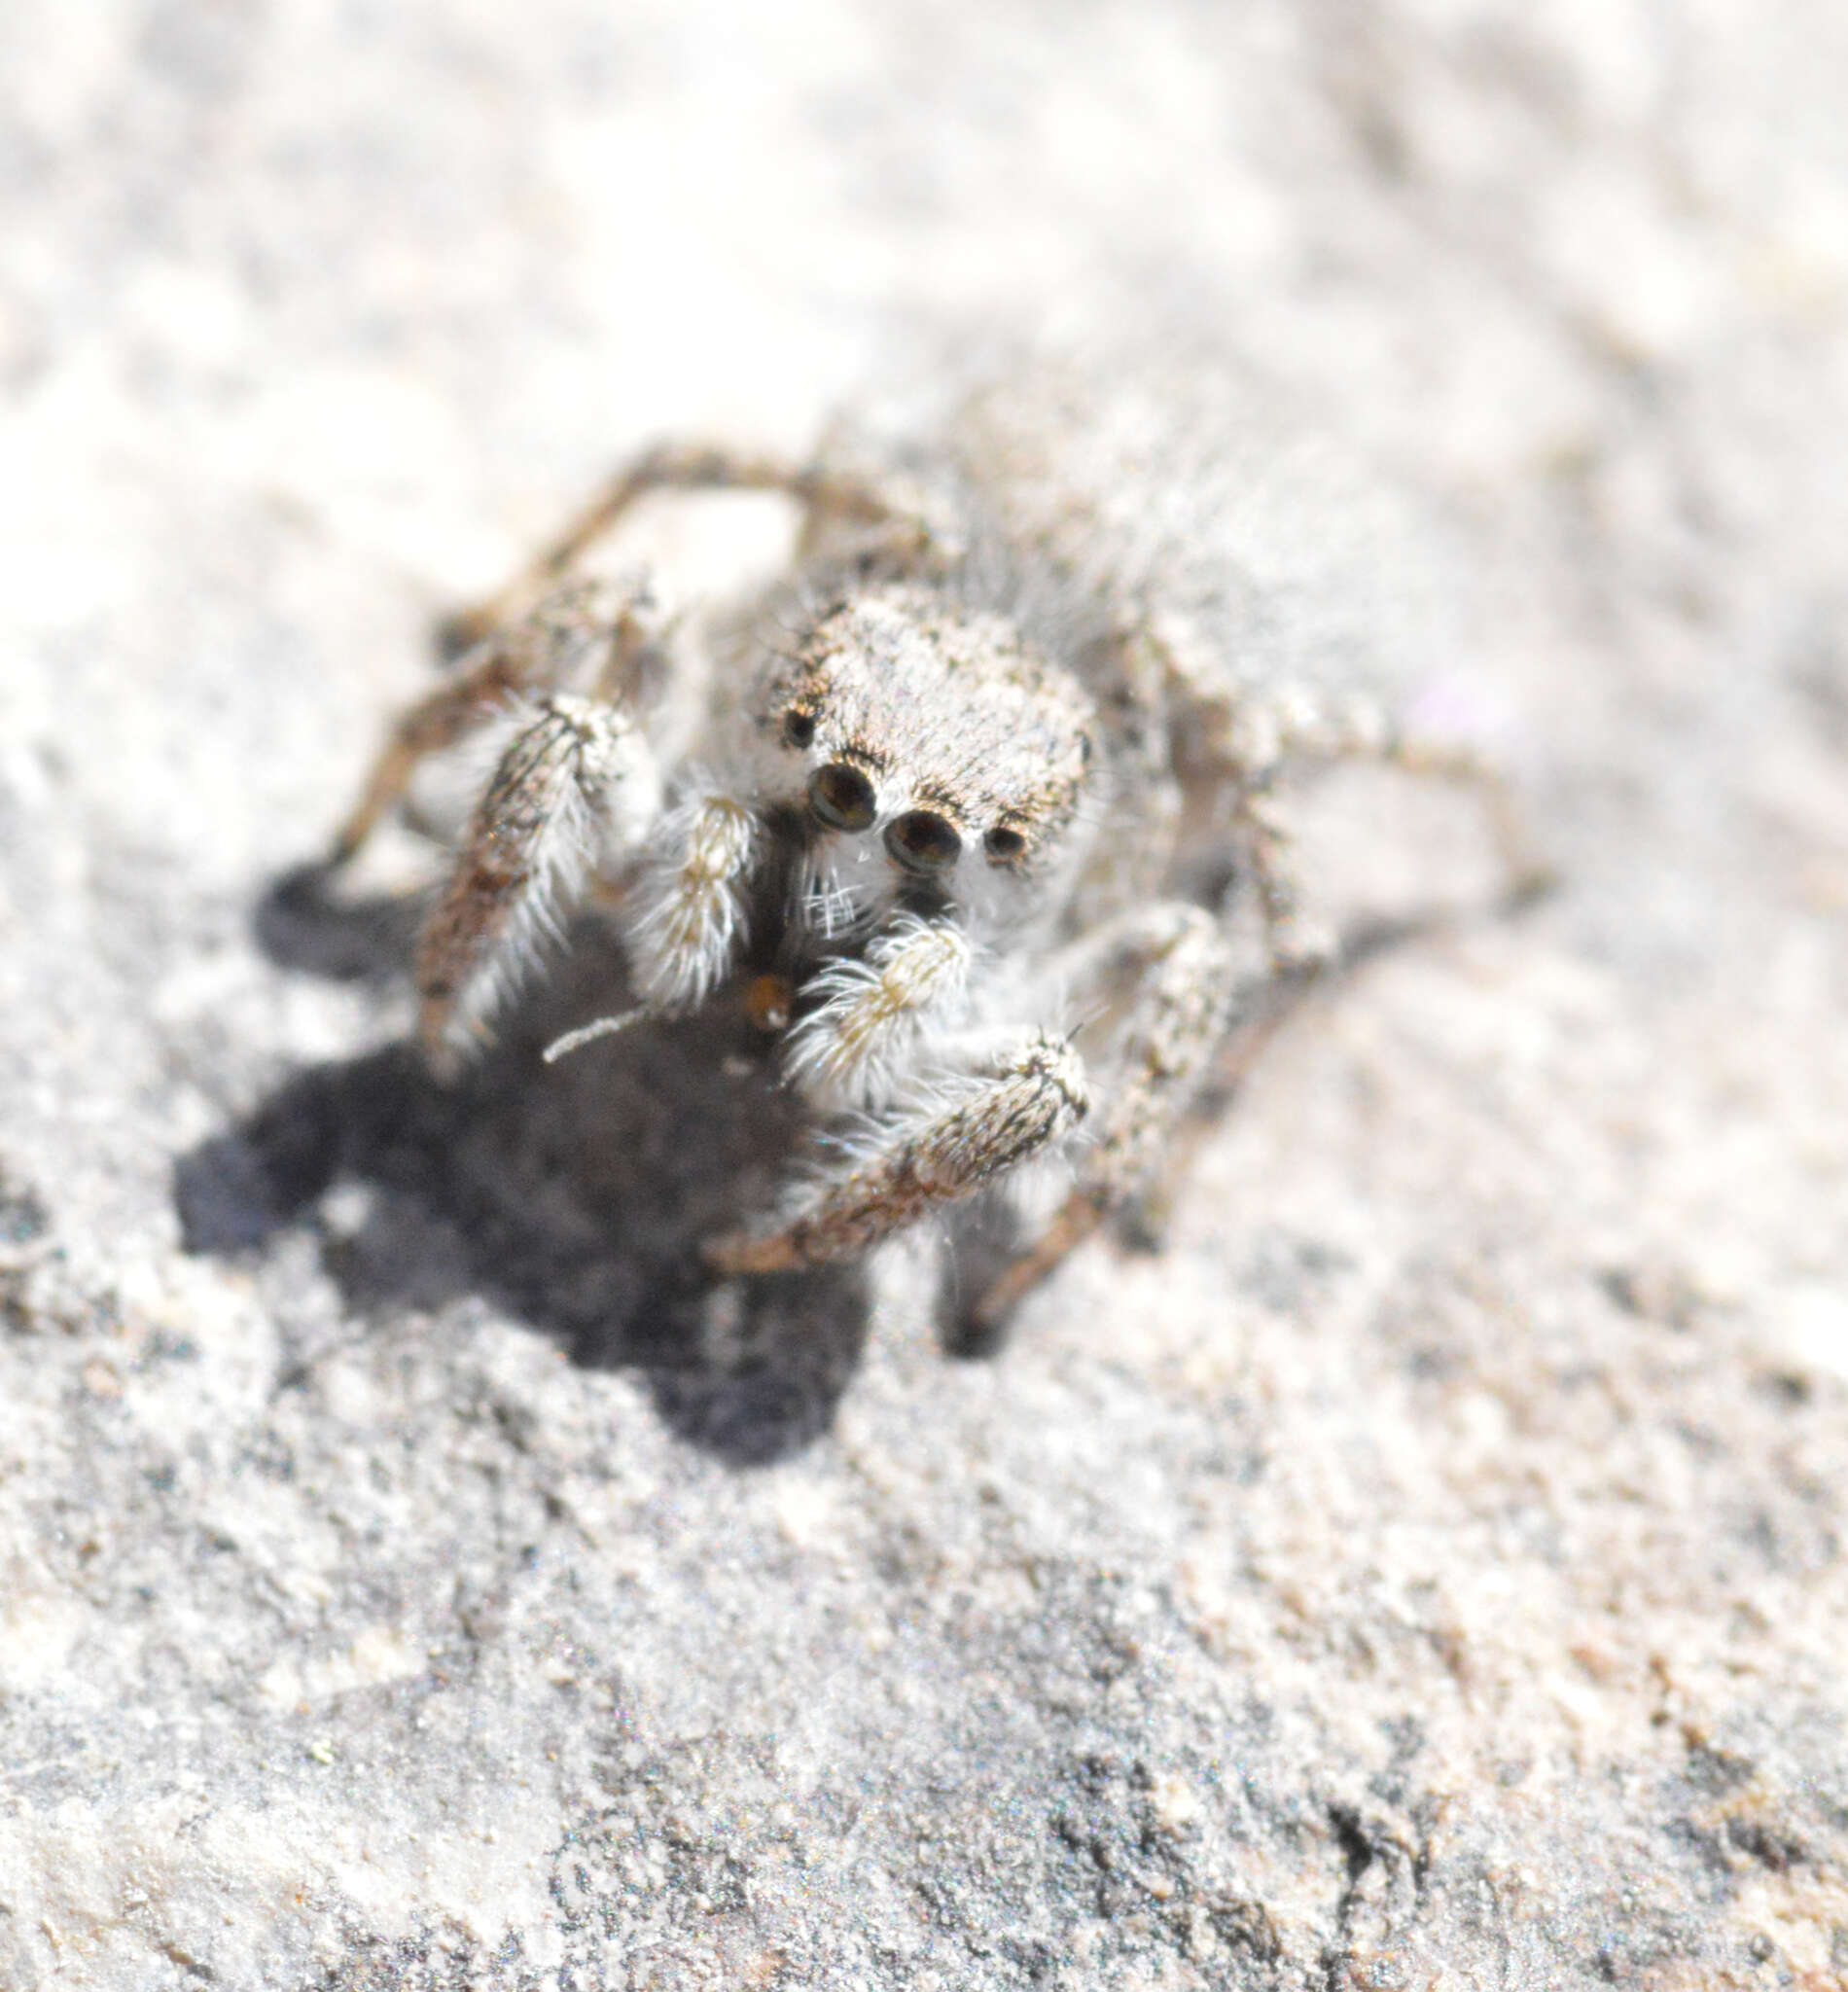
{"x": 575, "y": 1196}
{"x": 302, "y": 923}
{"x": 984, "y": 1236}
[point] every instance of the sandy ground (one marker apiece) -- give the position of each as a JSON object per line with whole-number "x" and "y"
{"x": 1429, "y": 1571}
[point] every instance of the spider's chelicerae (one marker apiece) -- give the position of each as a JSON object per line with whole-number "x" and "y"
{"x": 978, "y": 801}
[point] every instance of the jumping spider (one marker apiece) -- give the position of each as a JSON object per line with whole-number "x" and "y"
{"x": 959, "y": 781}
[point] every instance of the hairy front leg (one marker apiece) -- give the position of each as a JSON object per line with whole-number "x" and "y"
{"x": 576, "y": 779}
{"x": 592, "y": 634}
{"x": 924, "y": 1162}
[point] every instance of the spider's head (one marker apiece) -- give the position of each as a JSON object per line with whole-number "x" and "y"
{"x": 933, "y": 741}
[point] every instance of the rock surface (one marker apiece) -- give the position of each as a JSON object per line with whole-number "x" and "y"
{"x": 1430, "y": 1571}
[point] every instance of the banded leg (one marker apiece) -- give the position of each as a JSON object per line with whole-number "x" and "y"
{"x": 1254, "y": 743}
{"x": 1295, "y": 948}
{"x": 923, "y": 1163}
{"x": 577, "y": 776}
{"x": 1529, "y": 876}
{"x": 1362, "y": 733}
{"x": 1360, "y": 730}
{"x": 1186, "y": 1000}
{"x": 668, "y": 467}
{"x": 588, "y": 631}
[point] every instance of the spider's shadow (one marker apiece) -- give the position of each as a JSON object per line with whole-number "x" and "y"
{"x": 574, "y": 1195}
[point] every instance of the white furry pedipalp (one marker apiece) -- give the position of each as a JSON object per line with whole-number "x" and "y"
{"x": 690, "y": 915}
{"x": 861, "y": 1045}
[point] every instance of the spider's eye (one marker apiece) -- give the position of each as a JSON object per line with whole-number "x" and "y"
{"x": 798, "y": 728}
{"x": 1004, "y": 843}
{"x": 923, "y": 841}
{"x": 842, "y": 797}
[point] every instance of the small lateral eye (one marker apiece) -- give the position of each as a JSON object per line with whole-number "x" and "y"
{"x": 798, "y": 728}
{"x": 1004, "y": 843}
{"x": 842, "y": 797}
{"x": 923, "y": 841}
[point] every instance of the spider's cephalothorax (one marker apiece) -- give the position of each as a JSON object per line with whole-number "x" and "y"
{"x": 970, "y": 806}
{"x": 922, "y": 829}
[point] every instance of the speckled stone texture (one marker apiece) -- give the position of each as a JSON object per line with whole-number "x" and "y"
{"x": 1429, "y": 1572}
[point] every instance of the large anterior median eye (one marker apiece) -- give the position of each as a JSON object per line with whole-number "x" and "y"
{"x": 923, "y": 841}
{"x": 842, "y": 797}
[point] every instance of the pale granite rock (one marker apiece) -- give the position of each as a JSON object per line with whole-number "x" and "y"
{"x": 1430, "y": 1571}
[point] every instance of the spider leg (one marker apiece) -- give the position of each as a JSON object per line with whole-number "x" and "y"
{"x": 668, "y": 467}
{"x": 575, "y": 778}
{"x": 587, "y": 630}
{"x": 1294, "y": 947}
{"x": 1529, "y": 874}
{"x": 1186, "y": 998}
{"x": 1270, "y": 1006}
{"x": 576, "y": 788}
{"x": 1252, "y": 742}
{"x": 923, "y": 1161}
{"x": 1301, "y": 733}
